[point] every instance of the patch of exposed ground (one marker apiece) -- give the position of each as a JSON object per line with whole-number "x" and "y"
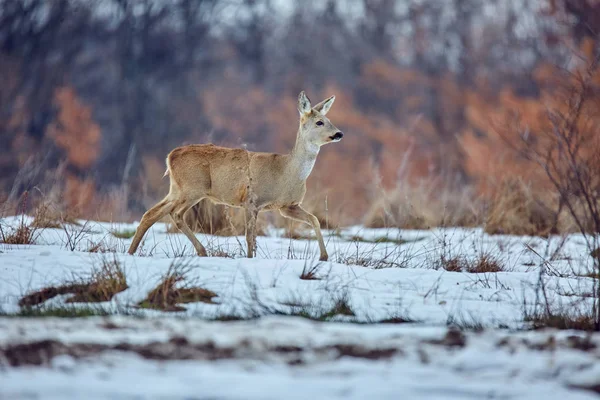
{"x": 41, "y": 353}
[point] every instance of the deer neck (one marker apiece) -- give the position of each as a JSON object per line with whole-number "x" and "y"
{"x": 303, "y": 157}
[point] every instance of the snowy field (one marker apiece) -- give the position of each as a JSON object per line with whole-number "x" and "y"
{"x": 380, "y": 274}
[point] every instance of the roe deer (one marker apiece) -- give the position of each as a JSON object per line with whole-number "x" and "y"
{"x": 245, "y": 179}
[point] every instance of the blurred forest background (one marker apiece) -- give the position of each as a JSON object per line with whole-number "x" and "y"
{"x": 433, "y": 97}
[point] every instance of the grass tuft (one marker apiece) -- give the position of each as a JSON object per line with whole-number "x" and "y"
{"x": 23, "y": 234}
{"x": 453, "y": 264}
{"x": 169, "y": 292}
{"x": 576, "y": 320}
{"x": 484, "y": 263}
{"x": 309, "y": 273}
{"x": 101, "y": 286}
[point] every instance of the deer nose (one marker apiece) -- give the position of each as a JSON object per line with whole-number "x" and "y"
{"x": 338, "y": 136}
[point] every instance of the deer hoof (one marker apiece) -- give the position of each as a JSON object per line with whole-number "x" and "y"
{"x": 324, "y": 257}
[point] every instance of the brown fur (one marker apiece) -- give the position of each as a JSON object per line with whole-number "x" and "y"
{"x": 240, "y": 178}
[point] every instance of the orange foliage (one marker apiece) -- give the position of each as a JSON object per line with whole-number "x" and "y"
{"x": 495, "y": 125}
{"x": 74, "y": 129}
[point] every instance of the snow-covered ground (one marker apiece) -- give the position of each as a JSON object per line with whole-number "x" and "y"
{"x": 289, "y": 358}
{"x": 382, "y": 274}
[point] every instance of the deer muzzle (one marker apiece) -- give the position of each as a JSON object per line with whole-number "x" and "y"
{"x": 337, "y": 137}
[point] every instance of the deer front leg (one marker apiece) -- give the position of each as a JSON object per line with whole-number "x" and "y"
{"x": 150, "y": 218}
{"x": 251, "y": 216}
{"x": 299, "y": 214}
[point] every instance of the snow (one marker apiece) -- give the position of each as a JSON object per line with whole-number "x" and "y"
{"x": 411, "y": 288}
{"x": 421, "y": 369}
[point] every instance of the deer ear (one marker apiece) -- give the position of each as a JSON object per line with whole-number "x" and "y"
{"x": 303, "y": 103}
{"x": 324, "y": 106}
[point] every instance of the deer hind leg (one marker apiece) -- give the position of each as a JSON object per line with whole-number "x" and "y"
{"x": 299, "y": 214}
{"x": 150, "y": 218}
{"x": 251, "y": 216}
{"x": 177, "y": 216}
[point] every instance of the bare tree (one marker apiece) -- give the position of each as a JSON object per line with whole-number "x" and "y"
{"x": 569, "y": 154}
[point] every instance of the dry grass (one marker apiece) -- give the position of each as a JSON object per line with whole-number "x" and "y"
{"x": 45, "y": 218}
{"x": 484, "y": 263}
{"x": 102, "y": 285}
{"x": 562, "y": 320}
{"x": 423, "y": 205}
{"x": 369, "y": 254}
{"x": 309, "y": 272}
{"x": 23, "y": 233}
{"x": 42, "y": 295}
{"x": 512, "y": 207}
{"x": 49, "y": 215}
{"x": 515, "y": 209}
{"x": 170, "y": 292}
{"x": 454, "y": 264}
{"x": 105, "y": 282}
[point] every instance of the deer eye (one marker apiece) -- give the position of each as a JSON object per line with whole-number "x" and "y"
{"x": 319, "y": 123}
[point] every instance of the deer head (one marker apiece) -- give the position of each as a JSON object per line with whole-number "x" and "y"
{"x": 315, "y": 128}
